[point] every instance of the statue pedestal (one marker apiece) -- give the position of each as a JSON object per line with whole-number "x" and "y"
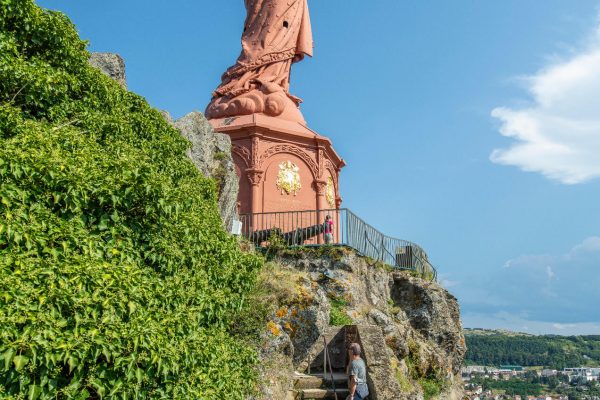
{"x": 282, "y": 165}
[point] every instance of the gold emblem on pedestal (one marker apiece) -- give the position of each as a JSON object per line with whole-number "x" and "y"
{"x": 288, "y": 179}
{"x": 330, "y": 193}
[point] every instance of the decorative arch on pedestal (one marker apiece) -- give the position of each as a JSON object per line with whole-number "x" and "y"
{"x": 282, "y": 168}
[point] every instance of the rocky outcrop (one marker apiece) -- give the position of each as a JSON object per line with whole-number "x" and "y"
{"x": 210, "y": 151}
{"x": 433, "y": 312}
{"x": 276, "y": 367}
{"x": 382, "y": 380}
{"x": 111, "y": 64}
{"x": 410, "y": 327}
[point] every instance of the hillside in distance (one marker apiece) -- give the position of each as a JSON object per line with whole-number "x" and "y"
{"x": 494, "y": 348}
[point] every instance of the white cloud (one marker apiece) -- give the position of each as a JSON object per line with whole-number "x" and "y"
{"x": 562, "y": 327}
{"x": 549, "y": 272}
{"x": 552, "y": 293}
{"x": 589, "y": 245}
{"x": 559, "y": 134}
{"x": 447, "y": 282}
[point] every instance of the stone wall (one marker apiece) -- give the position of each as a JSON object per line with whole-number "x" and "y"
{"x": 380, "y": 372}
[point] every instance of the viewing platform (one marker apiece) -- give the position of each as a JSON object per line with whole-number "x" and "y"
{"x": 308, "y": 228}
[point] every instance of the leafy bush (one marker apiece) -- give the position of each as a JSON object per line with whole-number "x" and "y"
{"x": 116, "y": 278}
{"x": 338, "y": 315}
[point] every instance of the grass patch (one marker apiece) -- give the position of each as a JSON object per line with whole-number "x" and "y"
{"x": 333, "y": 252}
{"x": 431, "y": 387}
{"x": 277, "y": 286}
{"x": 401, "y": 378}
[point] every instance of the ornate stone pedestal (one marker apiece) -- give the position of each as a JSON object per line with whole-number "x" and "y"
{"x": 282, "y": 165}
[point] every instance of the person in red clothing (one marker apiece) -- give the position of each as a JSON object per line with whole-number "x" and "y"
{"x": 328, "y": 231}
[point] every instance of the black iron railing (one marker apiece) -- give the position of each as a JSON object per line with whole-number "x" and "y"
{"x": 301, "y": 228}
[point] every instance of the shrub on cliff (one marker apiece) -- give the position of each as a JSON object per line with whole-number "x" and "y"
{"x": 116, "y": 278}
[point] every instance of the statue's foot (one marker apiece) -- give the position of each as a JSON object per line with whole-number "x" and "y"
{"x": 274, "y": 104}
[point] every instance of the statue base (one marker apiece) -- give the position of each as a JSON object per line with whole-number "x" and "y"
{"x": 270, "y": 100}
{"x": 282, "y": 164}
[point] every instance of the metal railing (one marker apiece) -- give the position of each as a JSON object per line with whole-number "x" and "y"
{"x": 302, "y": 228}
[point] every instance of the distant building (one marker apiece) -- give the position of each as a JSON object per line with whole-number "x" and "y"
{"x": 473, "y": 369}
{"x": 515, "y": 368}
{"x": 583, "y": 374}
{"x": 549, "y": 372}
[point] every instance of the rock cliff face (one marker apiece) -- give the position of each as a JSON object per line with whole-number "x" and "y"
{"x": 111, "y": 64}
{"x": 210, "y": 151}
{"x": 410, "y": 328}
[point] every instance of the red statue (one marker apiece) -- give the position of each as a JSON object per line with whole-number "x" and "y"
{"x": 277, "y": 33}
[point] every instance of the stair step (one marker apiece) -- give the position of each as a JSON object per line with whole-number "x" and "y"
{"x": 324, "y": 394}
{"x": 293, "y": 395}
{"x": 318, "y": 381}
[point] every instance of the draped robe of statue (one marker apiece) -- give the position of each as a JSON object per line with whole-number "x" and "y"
{"x": 277, "y": 33}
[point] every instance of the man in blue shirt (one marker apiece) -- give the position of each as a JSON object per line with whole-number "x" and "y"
{"x": 357, "y": 374}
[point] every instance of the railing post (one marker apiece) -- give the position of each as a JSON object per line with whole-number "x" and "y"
{"x": 324, "y": 356}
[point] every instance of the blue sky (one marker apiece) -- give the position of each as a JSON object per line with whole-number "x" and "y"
{"x": 471, "y": 127}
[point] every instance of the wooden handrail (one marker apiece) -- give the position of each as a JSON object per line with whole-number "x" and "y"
{"x": 326, "y": 356}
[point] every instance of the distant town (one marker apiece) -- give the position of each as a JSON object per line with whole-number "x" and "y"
{"x": 531, "y": 383}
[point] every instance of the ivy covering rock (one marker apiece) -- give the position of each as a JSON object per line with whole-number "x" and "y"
{"x": 116, "y": 278}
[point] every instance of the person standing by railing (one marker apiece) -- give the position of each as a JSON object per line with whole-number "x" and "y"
{"x": 328, "y": 230}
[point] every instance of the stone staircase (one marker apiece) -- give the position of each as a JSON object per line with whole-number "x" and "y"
{"x": 319, "y": 386}
{"x": 312, "y": 383}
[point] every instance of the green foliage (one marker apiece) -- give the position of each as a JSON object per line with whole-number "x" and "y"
{"x": 429, "y": 377}
{"x": 221, "y": 156}
{"x": 585, "y": 391}
{"x": 273, "y": 285}
{"x": 431, "y": 387}
{"x": 557, "y": 352}
{"x": 412, "y": 361}
{"x": 401, "y": 378}
{"x": 276, "y": 245}
{"x": 512, "y": 387}
{"x": 530, "y": 384}
{"x": 338, "y": 315}
{"x": 116, "y": 278}
{"x": 278, "y": 248}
